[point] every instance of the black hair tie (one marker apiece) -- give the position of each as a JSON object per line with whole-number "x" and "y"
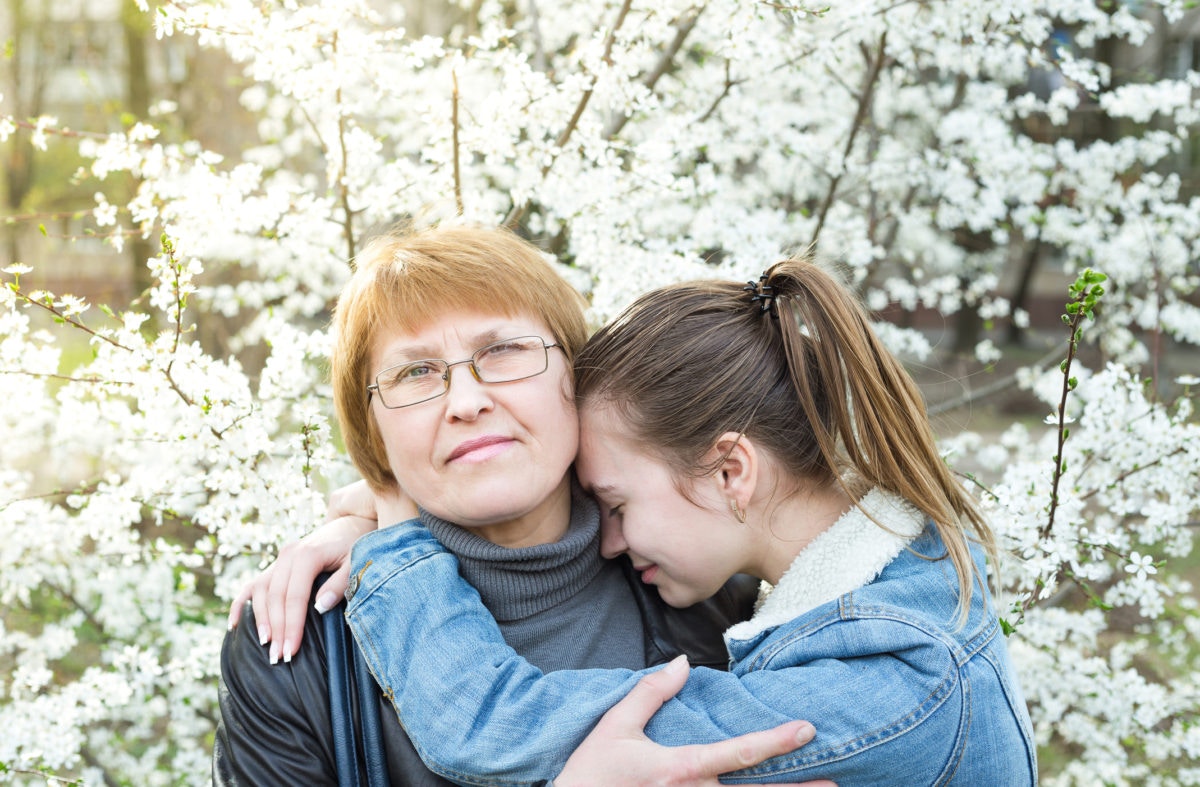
{"x": 762, "y": 295}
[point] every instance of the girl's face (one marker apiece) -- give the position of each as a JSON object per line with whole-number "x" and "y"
{"x": 488, "y": 456}
{"x": 688, "y": 549}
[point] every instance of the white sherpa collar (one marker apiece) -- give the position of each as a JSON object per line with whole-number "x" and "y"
{"x": 848, "y": 555}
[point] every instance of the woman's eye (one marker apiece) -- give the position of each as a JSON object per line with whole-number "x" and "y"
{"x": 416, "y": 371}
{"x": 504, "y": 348}
{"x": 616, "y": 511}
{"x": 412, "y": 373}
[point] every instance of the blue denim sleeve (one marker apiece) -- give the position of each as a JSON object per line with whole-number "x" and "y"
{"x": 480, "y": 715}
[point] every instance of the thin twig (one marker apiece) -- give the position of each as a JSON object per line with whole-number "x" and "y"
{"x": 458, "y": 192}
{"x": 1084, "y": 293}
{"x": 860, "y": 116}
{"x": 1133, "y": 471}
{"x": 683, "y": 28}
{"x": 343, "y": 175}
{"x": 518, "y": 211}
{"x": 58, "y": 315}
{"x": 993, "y": 387}
{"x": 730, "y": 83}
{"x": 66, "y": 378}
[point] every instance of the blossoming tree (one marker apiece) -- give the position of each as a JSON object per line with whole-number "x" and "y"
{"x": 924, "y": 146}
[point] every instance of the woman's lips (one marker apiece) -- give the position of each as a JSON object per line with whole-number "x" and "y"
{"x": 648, "y": 573}
{"x": 480, "y": 449}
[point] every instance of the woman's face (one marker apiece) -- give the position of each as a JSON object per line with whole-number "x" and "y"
{"x": 688, "y": 548}
{"x": 493, "y": 457}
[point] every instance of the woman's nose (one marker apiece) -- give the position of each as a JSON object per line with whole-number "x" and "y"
{"x": 466, "y": 397}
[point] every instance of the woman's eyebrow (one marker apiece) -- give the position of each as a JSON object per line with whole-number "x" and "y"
{"x": 419, "y": 352}
{"x": 413, "y": 352}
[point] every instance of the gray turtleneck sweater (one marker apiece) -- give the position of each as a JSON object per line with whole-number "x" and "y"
{"x": 560, "y": 605}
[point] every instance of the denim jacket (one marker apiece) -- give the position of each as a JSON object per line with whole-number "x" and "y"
{"x": 860, "y": 637}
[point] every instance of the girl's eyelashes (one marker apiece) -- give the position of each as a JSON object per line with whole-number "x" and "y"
{"x": 615, "y": 511}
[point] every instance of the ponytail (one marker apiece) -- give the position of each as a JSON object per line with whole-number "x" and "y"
{"x": 875, "y": 413}
{"x": 793, "y": 364}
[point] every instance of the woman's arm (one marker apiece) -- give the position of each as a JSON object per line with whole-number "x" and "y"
{"x": 478, "y": 712}
{"x": 274, "y": 726}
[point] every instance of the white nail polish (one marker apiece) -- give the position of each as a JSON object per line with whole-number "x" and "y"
{"x": 325, "y": 602}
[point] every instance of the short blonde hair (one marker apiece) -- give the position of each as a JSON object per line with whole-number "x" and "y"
{"x": 404, "y": 281}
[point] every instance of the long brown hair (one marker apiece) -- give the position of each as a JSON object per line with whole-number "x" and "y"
{"x": 803, "y": 375}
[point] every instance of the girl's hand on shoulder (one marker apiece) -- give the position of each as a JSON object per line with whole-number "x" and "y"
{"x": 280, "y": 594}
{"x": 617, "y": 751}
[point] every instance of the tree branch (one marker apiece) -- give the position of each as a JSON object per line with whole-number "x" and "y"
{"x": 343, "y": 186}
{"x": 458, "y": 191}
{"x": 518, "y": 211}
{"x": 994, "y": 387}
{"x": 860, "y": 117}
{"x": 683, "y": 28}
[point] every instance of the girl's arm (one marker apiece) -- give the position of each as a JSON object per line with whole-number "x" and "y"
{"x": 619, "y": 750}
{"x": 478, "y": 713}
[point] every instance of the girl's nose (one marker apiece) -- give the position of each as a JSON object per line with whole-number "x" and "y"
{"x": 612, "y": 537}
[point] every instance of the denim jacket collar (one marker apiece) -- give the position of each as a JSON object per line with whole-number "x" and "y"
{"x": 847, "y": 556}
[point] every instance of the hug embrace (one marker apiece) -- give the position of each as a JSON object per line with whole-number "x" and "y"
{"x": 718, "y": 430}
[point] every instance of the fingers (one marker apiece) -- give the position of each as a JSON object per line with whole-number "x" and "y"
{"x": 751, "y": 749}
{"x": 331, "y": 593}
{"x": 287, "y": 598}
{"x": 355, "y": 499}
{"x": 295, "y": 611}
{"x": 631, "y": 714}
{"x": 258, "y": 600}
{"x": 237, "y": 605}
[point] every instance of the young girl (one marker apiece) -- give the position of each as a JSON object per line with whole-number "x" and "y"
{"x": 761, "y": 429}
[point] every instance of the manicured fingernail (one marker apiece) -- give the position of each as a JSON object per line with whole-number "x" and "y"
{"x": 325, "y": 602}
{"x": 805, "y": 732}
{"x": 263, "y": 635}
{"x": 678, "y": 664}
{"x": 274, "y": 653}
{"x": 287, "y": 652}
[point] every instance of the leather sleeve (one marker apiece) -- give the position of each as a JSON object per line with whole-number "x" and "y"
{"x": 274, "y": 726}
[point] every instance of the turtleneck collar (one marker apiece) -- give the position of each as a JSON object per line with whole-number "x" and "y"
{"x": 515, "y": 583}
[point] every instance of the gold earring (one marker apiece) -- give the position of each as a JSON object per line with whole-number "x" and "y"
{"x": 737, "y": 512}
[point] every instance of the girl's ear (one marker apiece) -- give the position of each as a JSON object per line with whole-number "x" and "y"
{"x": 737, "y": 473}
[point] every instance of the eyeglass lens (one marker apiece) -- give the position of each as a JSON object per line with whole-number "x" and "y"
{"x": 503, "y": 361}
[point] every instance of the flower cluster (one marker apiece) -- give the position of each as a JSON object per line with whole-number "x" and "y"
{"x": 927, "y": 148}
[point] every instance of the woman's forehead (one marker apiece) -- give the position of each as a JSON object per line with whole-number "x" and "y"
{"x": 456, "y": 329}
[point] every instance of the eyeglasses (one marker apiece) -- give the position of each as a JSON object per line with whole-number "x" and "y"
{"x": 504, "y": 361}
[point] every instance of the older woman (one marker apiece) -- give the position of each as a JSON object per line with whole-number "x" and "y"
{"x": 452, "y": 381}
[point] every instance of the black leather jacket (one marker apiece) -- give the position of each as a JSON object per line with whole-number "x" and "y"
{"x": 275, "y": 720}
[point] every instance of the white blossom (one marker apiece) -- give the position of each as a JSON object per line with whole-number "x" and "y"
{"x": 141, "y": 484}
